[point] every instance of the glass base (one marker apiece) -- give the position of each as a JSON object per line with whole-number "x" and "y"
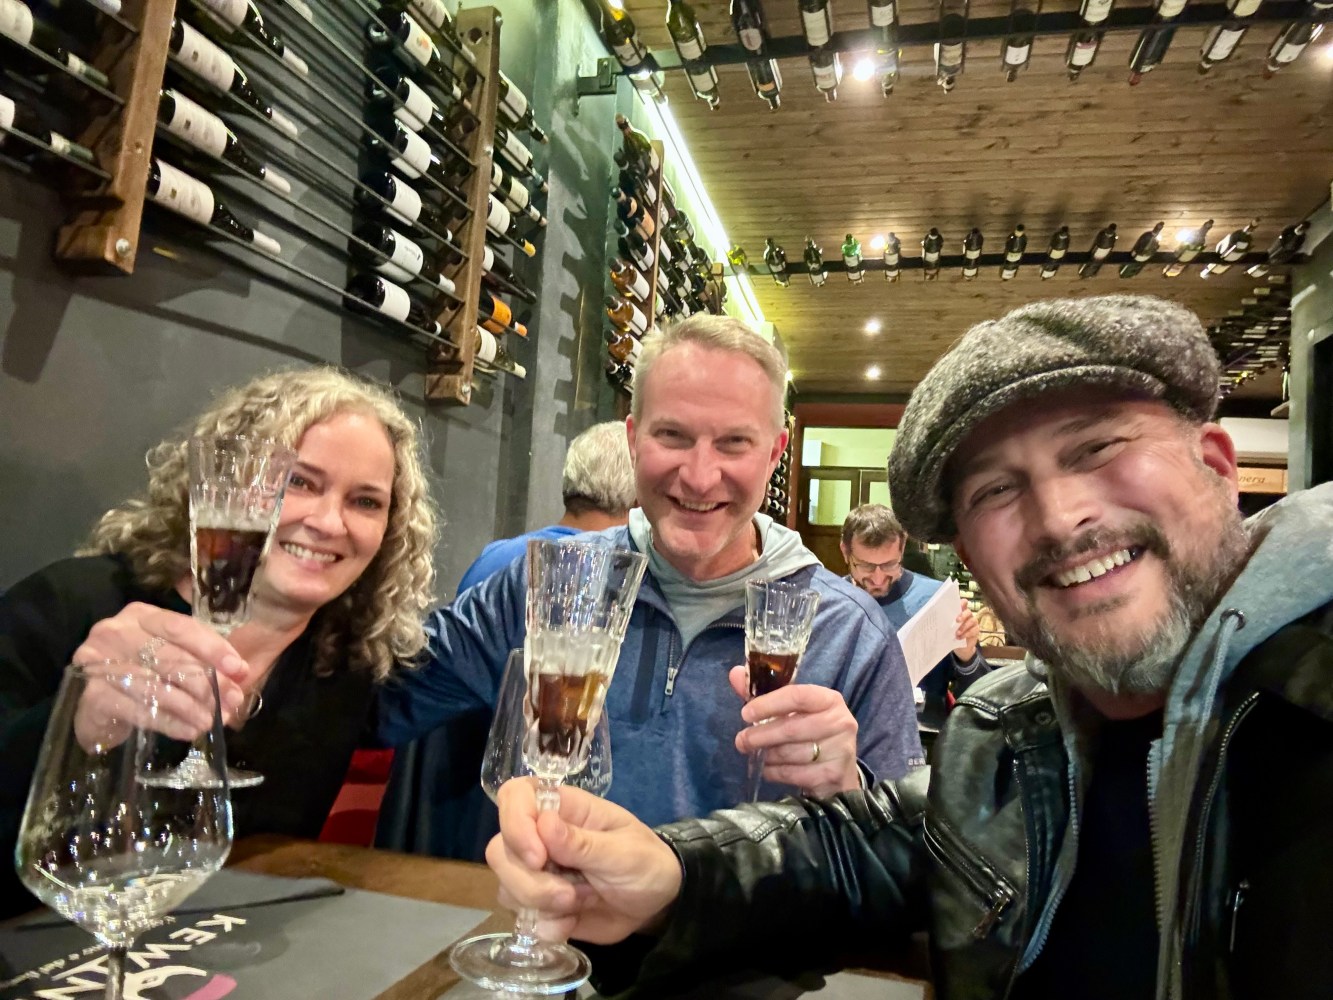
{"x": 195, "y": 772}
{"x": 495, "y": 962}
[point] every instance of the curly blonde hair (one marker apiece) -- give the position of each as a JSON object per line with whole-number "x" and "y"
{"x": 377, "y": 622}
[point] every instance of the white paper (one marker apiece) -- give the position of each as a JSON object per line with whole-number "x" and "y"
{"x": 931, "y": 633}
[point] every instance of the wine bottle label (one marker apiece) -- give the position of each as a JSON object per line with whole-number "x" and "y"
{"x": 396, "y": 302}
{"x": 701, "y": 78}
{"x": 950, "y": 55}
{"x": 7, "y": 113}
{"x": 417, "y": 42}
{"x": 1224, "y": 43}
{"x": 516, "y": 196}
{"x": 1096, "y": 11}
{"x": 302, "y": 8}
{"x": 637, "y": 320}
{"x": 816, "y": 24}
{"x": 638, "y": 286}
{"x": 417, "y": 107}
{"x": 109, "y": 6}
{"x": 1101, "y": 253}
{"x": 629, "y": 53}
{"x": 183, "y": 194}
{"x": 196, "y": 125}
{"x": 1168, "y": 9}
{"x": 78, "y": 65}
{"x": 1244, "y": 8}
{"x": 201, "y": 57}
{"x": 1288, "y": 52}
{"x": 517, "y": 151}
{"x": 433, "y": 12}
{"x": 487, "y": 258}
{"x": 230, "y": 11}
{"x": 16, "y": 21}
{"x": 405, "y": 203}
{"x": 690, "y": 48}
{"x": 930, "y": 256}
{"x": 405, "y": 259}
{"x": 1017, "y": 55}
{"x": 498, "y": 217}
{"x": 414, "y": 158}
{"x": 1084, "y": 53}
{"x": 751, "y": 38}
{"x": 883, "y": 17}
{"x": 514, "y": 100}
{"x": 486, "y": 345}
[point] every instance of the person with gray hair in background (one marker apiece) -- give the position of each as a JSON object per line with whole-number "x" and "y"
{"x": 706, "y": 429}
{"x": 597, "y": 487}
{"x": 1140, "y": 811}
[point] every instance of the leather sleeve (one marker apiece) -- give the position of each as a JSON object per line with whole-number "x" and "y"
{"x": 784, "y": 888}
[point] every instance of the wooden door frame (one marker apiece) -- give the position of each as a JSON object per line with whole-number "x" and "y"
{"x": 812, "y": 414}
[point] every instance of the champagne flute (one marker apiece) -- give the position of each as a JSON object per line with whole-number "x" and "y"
{"x": 103, "y": 848}
{"x": 236, "y": 490}
{"x": 778, "y": 619}
{"x": 580, "y": 595}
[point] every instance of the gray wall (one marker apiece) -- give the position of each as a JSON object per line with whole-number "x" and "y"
{"x": 95, "y": 370}
{"x": 1311, "y": 323}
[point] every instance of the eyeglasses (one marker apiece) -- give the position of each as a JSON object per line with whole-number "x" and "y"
{"x": 891, "y": 567}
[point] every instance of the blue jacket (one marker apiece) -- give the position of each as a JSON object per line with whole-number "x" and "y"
{"x": 905, "y": 598}
{"x": 674, "y": 717}
{"x": 500, "y": 553}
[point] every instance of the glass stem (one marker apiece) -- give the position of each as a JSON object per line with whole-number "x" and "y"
{"x": 115, "y": 973}
{"x": 525, "y": 921}
{"x": 755, "y": 777}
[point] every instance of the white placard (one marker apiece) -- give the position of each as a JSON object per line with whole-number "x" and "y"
{"x": 931, "y": 633}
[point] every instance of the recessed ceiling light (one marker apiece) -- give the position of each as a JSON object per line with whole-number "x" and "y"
{"x": 1326, "y": 54}
{"x": 878, "y": 242}
{"x": 873, "y": 326}
{"x": 864, "y": 68}
{"x": 872, "y": 372}
{"x": 1184, "y": 235}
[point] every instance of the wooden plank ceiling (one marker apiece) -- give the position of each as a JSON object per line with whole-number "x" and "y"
{"x": 1043, "y": 151}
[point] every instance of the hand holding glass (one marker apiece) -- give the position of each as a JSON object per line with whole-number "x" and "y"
{"x": 778, "y": 620}
{"x": 98, "y": 843}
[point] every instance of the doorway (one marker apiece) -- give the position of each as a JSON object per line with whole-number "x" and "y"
{"x": 827, "y": 495}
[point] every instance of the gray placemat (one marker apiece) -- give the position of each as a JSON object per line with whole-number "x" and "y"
{"x": 257, "y": 937}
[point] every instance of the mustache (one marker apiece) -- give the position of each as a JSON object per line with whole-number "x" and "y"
{"x": 1144, "y": 535}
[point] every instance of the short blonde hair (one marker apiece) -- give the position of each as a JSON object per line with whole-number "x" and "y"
{"x": 377, "y": 622}
{"x": 717, "y": 333}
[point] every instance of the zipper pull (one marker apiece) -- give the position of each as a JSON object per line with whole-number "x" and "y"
{"x": 999, "y": 903}
{"x": 671, "y": 679}
{"x": 1237, "y": 898}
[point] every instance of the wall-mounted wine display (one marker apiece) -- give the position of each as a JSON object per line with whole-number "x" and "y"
{"x": 1257, "y": 336}
{"x": 777, "y": 501}
{"x": 371, "y": 156}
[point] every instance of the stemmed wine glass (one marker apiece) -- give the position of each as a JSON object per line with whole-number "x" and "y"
{"x": 778, "y": 618}
{"x": 99, "y": 845}
{"x": 580, "y": 595}
{"x": 236, "y": 490}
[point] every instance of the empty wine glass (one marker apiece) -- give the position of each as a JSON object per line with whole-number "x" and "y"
{"x": 778, "y": 619}
{"x": 580, "y": 595}
{"x": 99, "y": 845}
{"x": 236, "y": 490}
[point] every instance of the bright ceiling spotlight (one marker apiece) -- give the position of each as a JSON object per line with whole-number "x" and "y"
{"x": 1185, "y": 235}
{"x": 873, "y": 326}
{"x": 878, "y": 242}
{"x": 873, "y": 372}
{"x": 864, "y": 68}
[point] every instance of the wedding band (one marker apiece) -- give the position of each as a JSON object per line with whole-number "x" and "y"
{"x": 814, "y": 755}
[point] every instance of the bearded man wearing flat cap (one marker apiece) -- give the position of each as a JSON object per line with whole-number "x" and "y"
{"x": 1143, "y": 810}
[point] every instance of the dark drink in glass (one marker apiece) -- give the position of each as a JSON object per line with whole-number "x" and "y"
{"x": 563, "y": 709}
{"x": 770, "y": 671}
{"x": 225, "y": 562}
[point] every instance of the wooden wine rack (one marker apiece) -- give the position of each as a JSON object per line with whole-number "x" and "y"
{"x": 655, "y": 178}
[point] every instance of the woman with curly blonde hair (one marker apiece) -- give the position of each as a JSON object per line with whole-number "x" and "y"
{"x": 337, "y": 605}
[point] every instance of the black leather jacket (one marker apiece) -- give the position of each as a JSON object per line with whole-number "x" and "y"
{"x": 806, "y": 885}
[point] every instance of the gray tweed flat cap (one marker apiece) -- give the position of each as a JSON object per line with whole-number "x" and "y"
{"x": 1138, "y": 343}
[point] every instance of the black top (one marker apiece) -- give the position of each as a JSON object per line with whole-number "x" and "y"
{"x": 1103, "y": 941}
{"x": 301, "y": 740}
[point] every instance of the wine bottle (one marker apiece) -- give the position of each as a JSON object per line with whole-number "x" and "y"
{"x": 1144, "y": 248}
{"x": 516, "y": 197}
{"x": 620, "y": 375}
{"x": 766, "y": 79}
{"x": 1102, "y": 245}
{"x": 496, "y": 316}
{"x": 628, "y": 281}
{"x": 814, "y": 263}
{"x": 1231, "y": 249}
{"x": 413, "y": 42}
{"x": 434, "y": 17}
{"x": 776, "y": 259}
{"x": 378, "y": 294}
{"x": 517, "y": 111}
{"x": 190, "y": 50}
{"x": 395, "y": 256}
{"x": 623, "y": 39}
{"x": 931, "y": 245}
{"x": 972, "y": 244}
{"x": 826, "y": 67}
{"x": 747, "y": 20}
{"x": 412, "y": 155}
{"x": 1018, "y": 43}
{"x": 951, "y": 49}
{"x": 1287, "y": 245}
{"x": 405, "y": 202}
{"x": 405, "y": 100}
{"x": 17, "y": 23}
{"x": 884, "y": 25}
{"x": 1082, "y": 52}
{"x": 191, "y": 198}
{"x": 1058, "y": 248}
{"x": 516, "y": 154}
{"x": 738, "y": 259}
{"x": 851, "y": 257}
{"x": 21, "y": 119}
{"x": 816, "y": 22}
{"x": 1290, "y": 42}
{"x": 638, "y": 148}
{"x": 496, "y": 272}
{"x": 622, "y": 346}
{"x": 633, "y": 214}
{"x": 1014, "y": 247}
{"x": 502, "y": 223}
{"x": 1192, "y": 243}
{"x": 196, "y": 126}
{"x": 244, "y": 17}
{"x": 1222, "y": 40}
{"x": 1094, "y": 12}
{"x": 891, "y": 249}
{"x": 703, "y": 81}
{"x": 626, "y": 315}
{"x": 490, "y": 353}
{"x": 1149, "y": 51}
{"x": 636, "y": 251}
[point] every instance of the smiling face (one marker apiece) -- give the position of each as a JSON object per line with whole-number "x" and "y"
{"x": 704, "y": 447}
{"x": 334, "y": 513}
{"x": 874, "y": 568}
{"x": 1102, "y": 530}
